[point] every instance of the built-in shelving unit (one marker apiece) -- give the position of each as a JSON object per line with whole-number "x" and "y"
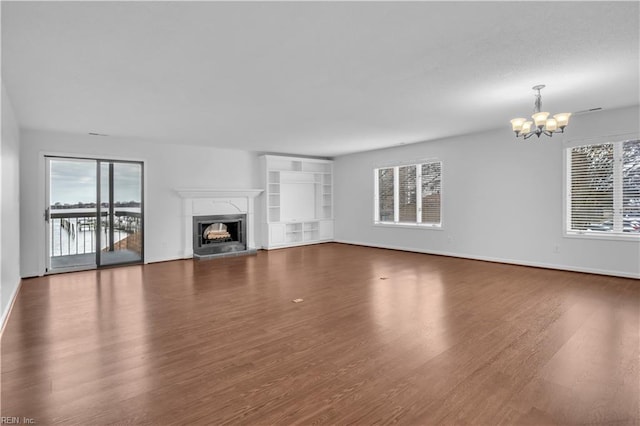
{"x": 298, "y": 201}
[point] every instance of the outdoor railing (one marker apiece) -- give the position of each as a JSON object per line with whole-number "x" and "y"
{"x": 75, "y": 232}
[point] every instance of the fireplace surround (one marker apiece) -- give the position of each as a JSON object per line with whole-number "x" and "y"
{"x": 225, "y": 203}
{"x": 217, "y": 234}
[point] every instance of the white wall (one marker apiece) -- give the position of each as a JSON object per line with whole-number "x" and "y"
{"x": 502, "y": 199}
{"x": 167, "y": 167}
{"x": 9, "y": 209}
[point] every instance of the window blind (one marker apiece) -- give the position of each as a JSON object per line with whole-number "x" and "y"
{"x": 385, "y": 195}
{"x": 407, "y": 194}
{"x": 431, "y": 184}
{"x": 631, "y": 186}
{"x": 591, "y": 187}
{"x": 604, "y": 188}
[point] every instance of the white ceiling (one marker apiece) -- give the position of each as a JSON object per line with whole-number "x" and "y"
{"x": 311, "y": 78}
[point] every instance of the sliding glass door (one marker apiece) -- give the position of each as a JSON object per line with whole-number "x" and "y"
{"x": 71, "y": 214}
{"x": 94, "y": 214}
{"x": 120, "y": 211}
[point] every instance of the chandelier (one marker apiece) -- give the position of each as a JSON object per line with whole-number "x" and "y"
{"x": 543, "y": 124}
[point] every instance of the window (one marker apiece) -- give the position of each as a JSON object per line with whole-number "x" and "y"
{"x": 385, "y": 194}
{"x": 409, "y": 194}
{"x": 604, "y": 189}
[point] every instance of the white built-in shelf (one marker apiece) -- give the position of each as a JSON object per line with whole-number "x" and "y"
{"x": 298, "y": 201}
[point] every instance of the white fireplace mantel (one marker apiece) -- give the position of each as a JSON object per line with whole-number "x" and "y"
{"x": 217, "y": 193}
{"x": 213, "y": 201}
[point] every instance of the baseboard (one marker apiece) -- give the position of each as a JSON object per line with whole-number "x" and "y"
{"x": 7, "y": 312}
{"x": 498, "y": 260}
{"x": 291, "y": 245}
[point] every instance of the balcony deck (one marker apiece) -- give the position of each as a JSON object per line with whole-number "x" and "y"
{"x": 88, "y": 260}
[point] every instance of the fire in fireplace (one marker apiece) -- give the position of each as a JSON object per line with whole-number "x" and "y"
{"x": 218, "y": 234}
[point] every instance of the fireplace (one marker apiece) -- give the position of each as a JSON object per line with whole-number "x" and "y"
{"x": 219, "y": 234}
{"x": 216, "y": 206}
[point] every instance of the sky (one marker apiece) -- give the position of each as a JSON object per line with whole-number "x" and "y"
{"x": 74, "y": 181}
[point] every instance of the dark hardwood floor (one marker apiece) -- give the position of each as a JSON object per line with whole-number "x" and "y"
{"x": 382, "y": 336}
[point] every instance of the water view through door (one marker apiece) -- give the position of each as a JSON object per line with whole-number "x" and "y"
{"x": 95, "y": 213}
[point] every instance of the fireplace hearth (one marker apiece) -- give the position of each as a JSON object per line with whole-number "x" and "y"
{"x": 219, "y": 235}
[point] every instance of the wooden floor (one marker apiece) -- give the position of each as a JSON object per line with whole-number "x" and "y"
{"x": 382, "y": 336}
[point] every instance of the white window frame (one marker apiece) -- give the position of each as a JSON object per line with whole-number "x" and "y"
{"x": 396, "y": 197}
{"x": 617, "y": 142}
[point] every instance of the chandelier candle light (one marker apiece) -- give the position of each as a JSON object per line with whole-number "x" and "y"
{"x": 544, "y": 125}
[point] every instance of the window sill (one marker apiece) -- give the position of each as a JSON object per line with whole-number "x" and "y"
{"x": 602, "y": 236}
{"x": 408, "y": 225}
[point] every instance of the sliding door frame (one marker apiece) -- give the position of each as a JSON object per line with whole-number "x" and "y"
{"x": 110, "y": 214}
{"x": 44, "y": 194}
